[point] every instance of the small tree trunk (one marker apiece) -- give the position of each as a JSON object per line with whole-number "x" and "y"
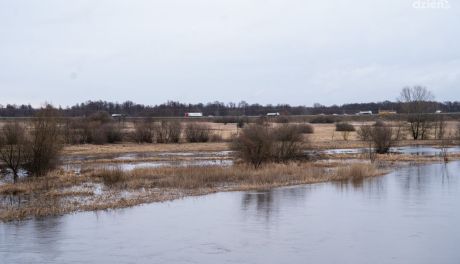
{"x": 15, "y": 176}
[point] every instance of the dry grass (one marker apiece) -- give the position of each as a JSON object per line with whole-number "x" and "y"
{"x": 61, "y": 192}
{"x": 324, "y": 137}
{"x": 142, "y": 148}
{"x": 356, "y": 171}
{"x": 110, "y": 176}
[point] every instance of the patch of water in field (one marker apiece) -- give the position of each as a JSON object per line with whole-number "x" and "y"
{"x": 217, "y": 158}
{"x": 414, "y": 150}
{"x": 141, "y": 155}
{"x": 408, "y": 216}
{"x": 78, "y": 168}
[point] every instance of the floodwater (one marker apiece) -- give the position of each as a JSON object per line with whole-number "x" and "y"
{"x": 413, "y": 150}
{"x": 77, "y": 168}
{"x": 409, "y": 216}
{"x": 218, "y": 158}
{"x": 129, "y": 160}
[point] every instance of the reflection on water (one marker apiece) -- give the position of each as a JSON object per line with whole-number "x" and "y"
{"x": 266, "y": 203}
{"x": 409, "y": 216}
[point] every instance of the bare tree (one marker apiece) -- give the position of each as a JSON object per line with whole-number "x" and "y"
{"x": 45, "y": 142}
{"x": 13, "y": 145}
{"x": 440, "y": 127}
{"x": 365, "y": 134}
{"x": 417, "y": 103}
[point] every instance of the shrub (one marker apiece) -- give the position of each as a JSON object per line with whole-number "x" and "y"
{"x": 45, "y": 144}
{"x": 241, "y": 122}
{"x": 287, "y": 143}
{"x": 96, "y": 134}
{"x": 196, "y": 132}
{"x": 168, "y": 131}
{"x": 306, "y": 128}
{"x": 364, "y": 133}
{"x": 101, "y": 117}
{"x": 143, "y": 132}
{"x": 323, "y": 119}
{"x": 258, "y": 143}
{"x": 215, "y": 138}
{"x": 96, "y": 129}
{"x": 174, "y": 131}
{"x": 226, "y": 119}
{"x": 112, "y": 133}
{"x": 381, "y": 136}
{"x": 13, "y": 145}
{"x": 379, "y": 123}
{"x": 72, "y": 131}
{"x": 254, "y": 144}
{"x": 343, "y": 126}
{"x": 281, "y": 119}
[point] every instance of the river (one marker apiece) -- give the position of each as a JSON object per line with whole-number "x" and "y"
{"x": 408, "y": 216}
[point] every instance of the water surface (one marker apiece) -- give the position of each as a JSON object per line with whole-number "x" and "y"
{"x": 409, "y": 216}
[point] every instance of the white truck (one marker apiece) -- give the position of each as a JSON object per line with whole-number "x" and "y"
{"x": 197, "y": 114}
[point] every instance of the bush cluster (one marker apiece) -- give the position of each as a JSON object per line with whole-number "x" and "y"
{"x": 35, "y": 150}
{"x": 143, "y": 132}
{"x": 197, "y": 132}
{"x": 259, "y": 143}
{"x": 380, "y": 135}
{"x": 343, "y": 126}
{"x": 306, "y": 128}
{"x": 168, "y": 131}
{"x": 98, "y": 128}
{"x": 323, "y": 119}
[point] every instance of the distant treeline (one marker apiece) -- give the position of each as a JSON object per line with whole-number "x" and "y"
{"x": 171, "y": 109}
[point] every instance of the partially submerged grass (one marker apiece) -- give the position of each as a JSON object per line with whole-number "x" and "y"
{"x": 62, "y": 192}
{"x": 356, "y": 171}
{"x": 110, "y": 176}
{"x": 237, "y": 176}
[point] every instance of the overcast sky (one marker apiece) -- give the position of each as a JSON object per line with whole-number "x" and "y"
{"x": 266, "y": 51}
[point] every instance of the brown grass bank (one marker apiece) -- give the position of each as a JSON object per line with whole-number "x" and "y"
{"x": 61, "y": 192}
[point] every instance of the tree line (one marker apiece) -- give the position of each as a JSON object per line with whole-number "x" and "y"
{"x": 177, "y": 109}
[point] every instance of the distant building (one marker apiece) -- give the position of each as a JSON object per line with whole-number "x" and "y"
{"x": 197, "y": 114}
{"x": 364, "y": 113}
{"x": 273, "y": 114}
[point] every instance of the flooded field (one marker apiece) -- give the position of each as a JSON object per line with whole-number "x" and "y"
{"x": 408, "y": 216}
{"x": 130, "y": 161}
